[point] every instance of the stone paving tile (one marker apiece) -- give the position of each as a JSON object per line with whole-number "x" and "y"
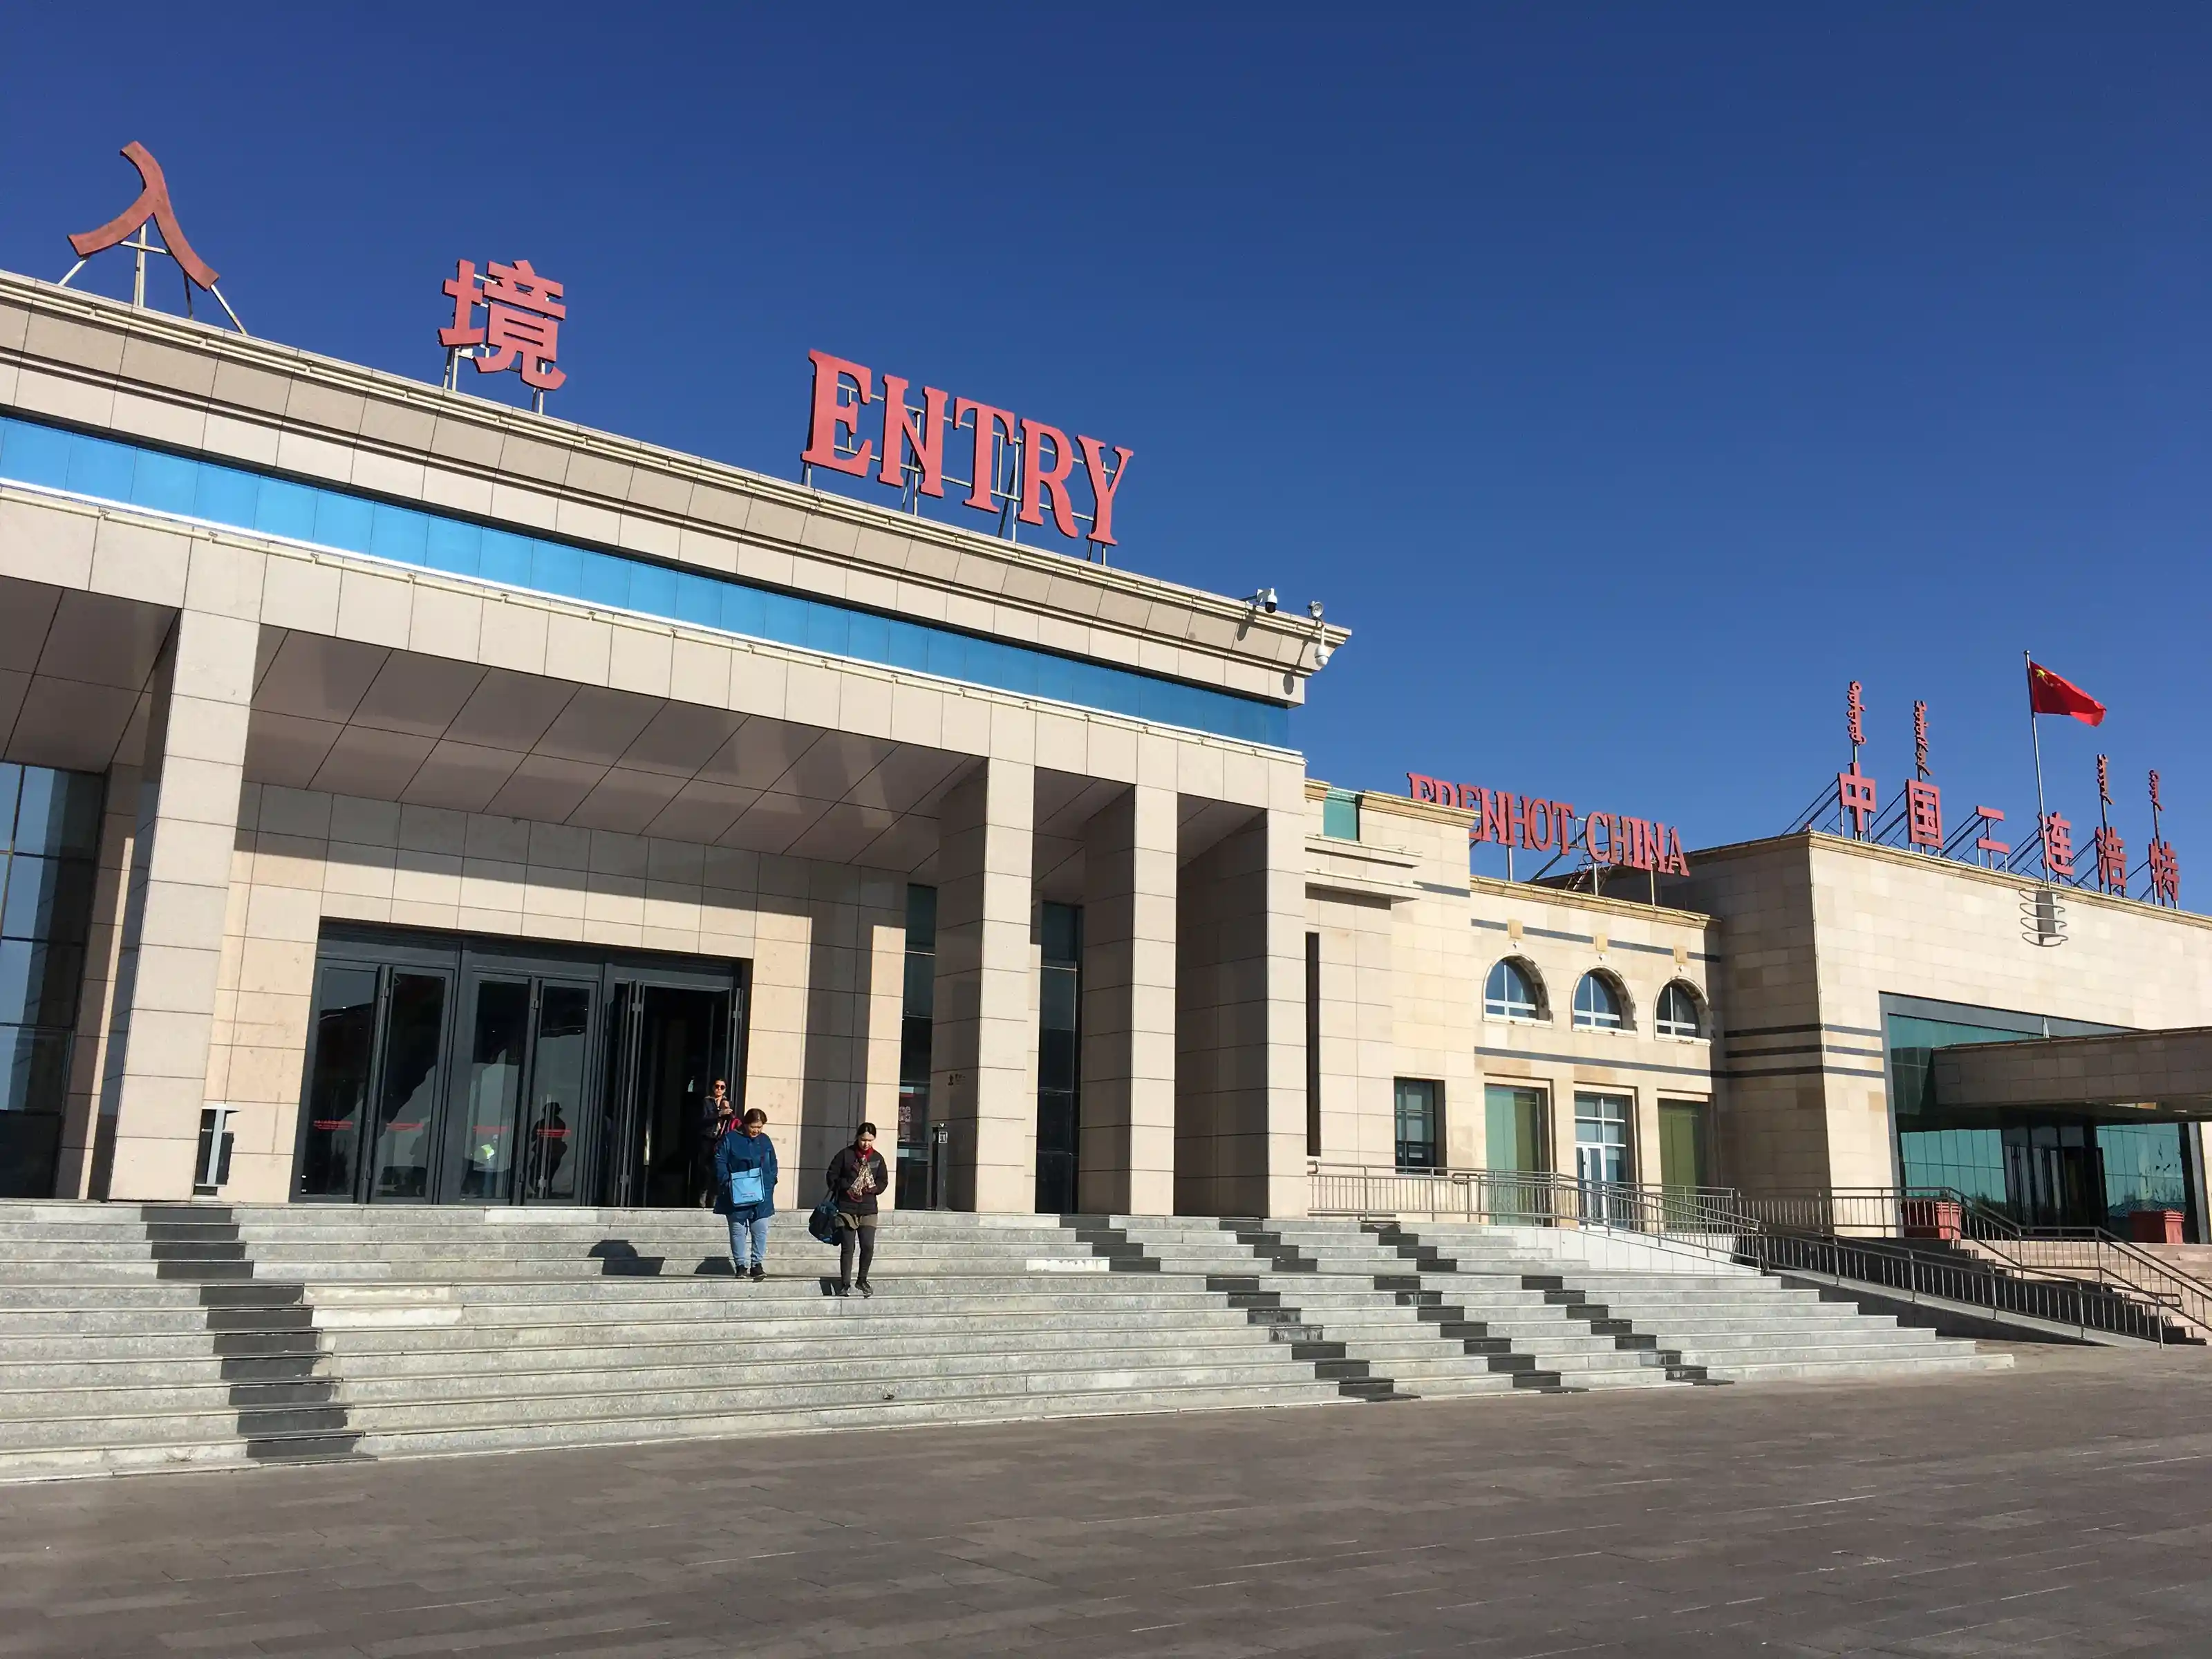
{"x": 2057, "y": 1512}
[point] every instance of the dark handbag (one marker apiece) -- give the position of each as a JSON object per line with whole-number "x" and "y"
{"x": 823, "y": 1224}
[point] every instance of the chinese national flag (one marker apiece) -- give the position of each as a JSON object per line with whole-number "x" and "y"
{"x": 2049, "y": 695}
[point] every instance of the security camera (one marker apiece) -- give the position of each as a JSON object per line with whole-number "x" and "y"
{"x": 1322, "y": 653}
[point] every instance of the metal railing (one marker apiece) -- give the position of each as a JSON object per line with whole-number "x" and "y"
{"x": 2098, "y": 1256}
{"x": 1925, "y": 1244}
{"x": 1882, "y": 1213}
{"x": 2086, "y": 1301}
{"x": 1943, "y": 1214}
{"x": 1509, "y": 1198}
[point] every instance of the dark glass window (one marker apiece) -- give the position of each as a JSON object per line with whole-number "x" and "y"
{"x": 1059, "y": 1003}
{"x": 1420, "y": 1123}
{"x": 918, "y": 1012}
{"x": 1313, "y": 1045}
{"x": 49, "y": 841}
{"x": 1678, "y": 1011}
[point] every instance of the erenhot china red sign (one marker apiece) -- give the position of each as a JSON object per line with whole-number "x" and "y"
{"x": 907, "y": 445}
{"x": 1537, "y": 825}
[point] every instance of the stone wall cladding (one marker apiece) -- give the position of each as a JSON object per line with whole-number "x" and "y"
{"x": 97, "y": 364}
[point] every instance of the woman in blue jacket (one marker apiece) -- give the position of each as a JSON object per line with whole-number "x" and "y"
{"x": 745, "y": 1191}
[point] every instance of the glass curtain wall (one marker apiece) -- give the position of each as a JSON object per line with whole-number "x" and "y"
{"x": 2048, "y": 1170}
{"x": 49, "y": 851}
{"x": 917, "y": 1013}
{"x": 1059, "y": 1047}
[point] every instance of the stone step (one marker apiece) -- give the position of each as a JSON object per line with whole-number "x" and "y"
{"x": 855, "y": 1378}
{"x": 1856, "y": 1367}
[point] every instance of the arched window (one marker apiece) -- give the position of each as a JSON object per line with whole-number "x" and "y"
{"x": 1599, "y": 1004}
{"x": 1513, "y": 992}
{"x": 1678, "y": 1015}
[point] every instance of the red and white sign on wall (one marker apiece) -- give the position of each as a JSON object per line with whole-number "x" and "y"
{"x": 1014, "y": 464}
{"x": 1535, "y": 823}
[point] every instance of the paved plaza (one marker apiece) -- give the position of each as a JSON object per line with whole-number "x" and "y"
{"x": 2060, "y": 1510}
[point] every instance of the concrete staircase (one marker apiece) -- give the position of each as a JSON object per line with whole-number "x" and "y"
{"x": 1412, "y": 1330}
{"x": 135, "y": 1338}
{"x": 154, "y": 1336}
{"x": 1706, "y": 1320}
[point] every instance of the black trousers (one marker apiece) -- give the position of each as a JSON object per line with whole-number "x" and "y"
{"x": 855, "y": 1231}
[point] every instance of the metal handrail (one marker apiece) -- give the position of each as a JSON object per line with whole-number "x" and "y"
{"x": 1848, "y": 1233}
{"x": 1522, "y": 1198}
{"x": 2114, "y": 1309}
{"x": 2071, "y": 1252}
{"x": 1880, "y": 1212}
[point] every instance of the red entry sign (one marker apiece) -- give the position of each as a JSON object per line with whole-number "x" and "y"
{"x": 911, "y": 443}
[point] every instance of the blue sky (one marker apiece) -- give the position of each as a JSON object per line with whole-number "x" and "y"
{"x": 1629, "y": 379}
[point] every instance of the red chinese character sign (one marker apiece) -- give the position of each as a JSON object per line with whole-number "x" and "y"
{"x": 1018, "y": 468}
{"x": 1914, "y": 817}
{"x": 1854, "y": 795}
{"x": 152, "y": 207}
{"x": 520, "y": 327}
{"x": 2164, "y": 866}
{"x": 2112, "y": 849}
{"x": 1924, "y": 800}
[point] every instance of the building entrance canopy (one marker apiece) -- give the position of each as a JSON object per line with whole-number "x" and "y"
{"x": 2146, "y": 1075}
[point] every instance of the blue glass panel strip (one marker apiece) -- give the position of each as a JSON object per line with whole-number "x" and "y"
{"x": 132, "y": 475}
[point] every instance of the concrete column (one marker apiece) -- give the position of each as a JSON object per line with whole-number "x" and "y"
{"x": 155, "y": 1078}
{"x": 1240, "y": 1038}
{"x": 981, "y": 1078}
{"x": 1125, "y": 1162}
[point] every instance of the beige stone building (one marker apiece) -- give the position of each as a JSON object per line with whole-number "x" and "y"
{"x": 1517, "y": 1026}
{"x": 411, "y": 799}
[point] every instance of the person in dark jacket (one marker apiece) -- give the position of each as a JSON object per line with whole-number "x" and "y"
{"x": 856, "y": 1176}
{"x": 717, "y": 1117}
{"x": 745, "y": 1191}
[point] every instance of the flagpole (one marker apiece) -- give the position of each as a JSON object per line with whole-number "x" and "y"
{"x": 2035, "y": 739}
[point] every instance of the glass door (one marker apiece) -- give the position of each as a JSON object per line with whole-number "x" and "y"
{"x": 445, "y": 1069}
{"x": 666, "y": 1045}
{"x": 410, "y": 1083}
{"x": 559, "y": 1071}
{"x": 1602, "y": 1155}
{"x": 334, "y": 1121}
{"x": 618, "y": 1177}
{"x": 483, "y": 1139}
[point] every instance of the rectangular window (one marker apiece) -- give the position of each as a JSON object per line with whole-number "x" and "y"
{"x": 1681, "y": 1143}
{"x": 1420, "y": 1123}
{"x": 1339, "y": 815}
{"x": 1602, "y": 1157}
{"x": 1313, "y": 1045}
{"x": 1515, "y": 1141}
{"x": 1059, "y": 1059}
{"x": 917, "y": 1016}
